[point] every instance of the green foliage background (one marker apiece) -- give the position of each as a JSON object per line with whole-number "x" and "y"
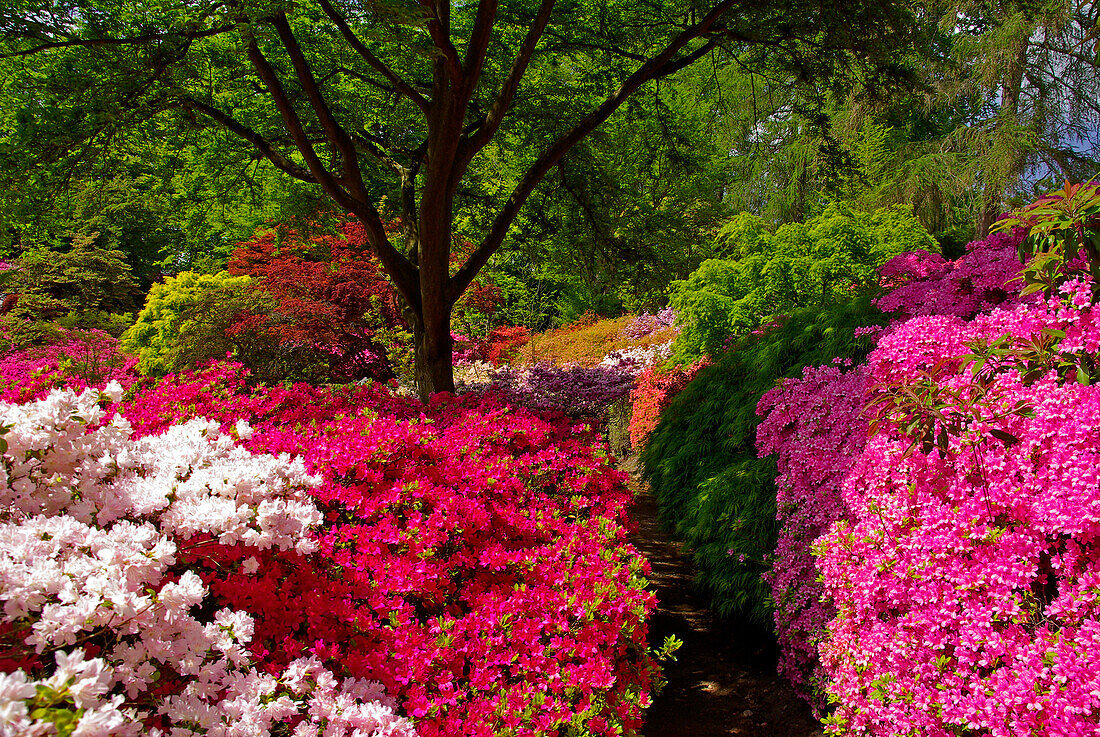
{"x": 184, "y": 320}
{"x": 766, "y": 274}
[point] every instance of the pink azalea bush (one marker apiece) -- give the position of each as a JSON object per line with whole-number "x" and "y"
{"x": 648, "y": 324}
{"x": 105, "y": 628}
{"x": 81, "y": 358}
{"x": 924, "y": 283}
{"x": 958, "y": 547}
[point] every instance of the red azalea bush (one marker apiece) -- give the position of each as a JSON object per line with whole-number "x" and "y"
{"x": 656, "y": 386}
{"x": 474, "y": 557}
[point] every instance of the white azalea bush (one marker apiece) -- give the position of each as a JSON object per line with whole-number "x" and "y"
{"x": 103, "y": 631}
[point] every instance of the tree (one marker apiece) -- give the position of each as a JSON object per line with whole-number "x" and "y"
{"x": 342, "y": 95}
{"x": 1025, "y": 71}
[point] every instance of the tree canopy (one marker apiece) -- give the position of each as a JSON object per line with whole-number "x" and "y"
{"x": 390, "y": 108}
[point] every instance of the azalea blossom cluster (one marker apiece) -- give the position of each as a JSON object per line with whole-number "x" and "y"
{"x": 647, "y": 324}
{"x": 924, "y": 283}
{"x": 472, "y": 559}
{"x": 81, "y": 358}
{"x": 637, "y": 358}
{"x": 959, "y": 545}
{"x": 578, "y": 391}
{"x": 656, "y": 387}
{"x": 815, "y": 427}
{"x": 107, "y": 628}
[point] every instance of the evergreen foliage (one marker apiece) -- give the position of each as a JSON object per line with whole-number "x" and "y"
{"x": 819, "y": 262}
{"x": 701, "y": 462}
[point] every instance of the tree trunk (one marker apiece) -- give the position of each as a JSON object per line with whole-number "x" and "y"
{"x": 434, "y": 370}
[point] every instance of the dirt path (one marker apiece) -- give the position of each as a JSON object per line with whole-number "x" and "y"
{"x": 724, "y": 680}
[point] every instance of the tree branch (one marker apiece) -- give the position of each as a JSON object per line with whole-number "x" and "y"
{"x": 396, "y": 265}
{"x": 335, "y": 132}
{"x": 374, "y": 62}
{"x": 133, "y": 40}
{"x": 441, "y": 37}
{"x": 479, "y": 42}
{"x": 508, "y": 90}
{"x": 262, "y": 144}
{"x": 660, "y": 64}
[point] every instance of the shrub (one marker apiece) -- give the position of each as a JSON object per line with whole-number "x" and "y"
{"x": 186, "y": 318}
{"x": 815, "y": 427}
{"x": 822, "y": 261}
{"x": 87, "y": 288}
{"x": 577, "y": 391}
{"x": 108, "y": 628}
{"x": 588, "y": 341}
{"x": 473, "y": 557}
{"x": 81, "y": 359}
{"x": 965, "y": 581}
{"x": 332, "y": 312}
{"x": 498, "y": 348}
{"x": 701, "y": 462}
{"x": 656, "y": 387}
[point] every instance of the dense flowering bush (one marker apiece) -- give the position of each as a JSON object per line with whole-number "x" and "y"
{"x": 961, "y": 549}
{"x": 814, "y": 425}
{"x": 473, "y": 558}
{"x": 81, "y": 358}
{"x": 638, "y": 359}
{"x": 578, "y": 391}
{"x": 657, "y": 386}
{"x": 923, "y": 283}
{"x": 106, "y": 627}
{"x": 965, "y": 583}
{"x": 648, "y": 324}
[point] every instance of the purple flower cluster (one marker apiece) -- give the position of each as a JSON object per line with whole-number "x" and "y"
{"x": 578, "y": 391}
{"x": 647, "y": 324}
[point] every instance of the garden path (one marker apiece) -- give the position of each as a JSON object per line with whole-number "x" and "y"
{"x": 724, "y": 680}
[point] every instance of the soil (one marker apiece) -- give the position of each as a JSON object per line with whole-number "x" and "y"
{"x": 724, "y": 680}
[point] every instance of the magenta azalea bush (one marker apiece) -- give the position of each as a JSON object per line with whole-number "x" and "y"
{"x": 814, "y": 426}
{"x": 464, "y": 568}
{"x": 81, "y": 358}
{"x": 949, "y": 489}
